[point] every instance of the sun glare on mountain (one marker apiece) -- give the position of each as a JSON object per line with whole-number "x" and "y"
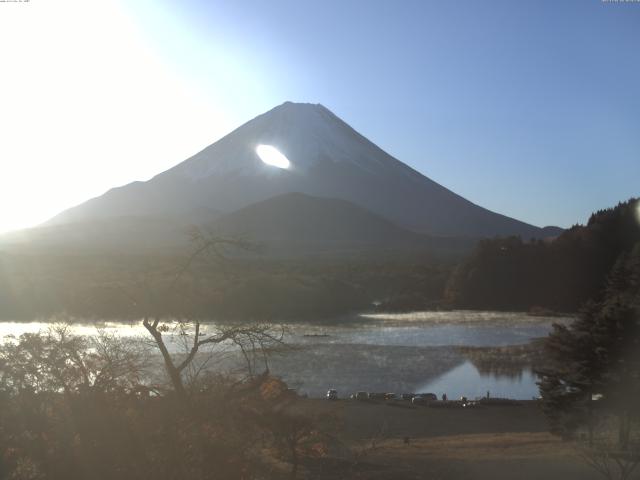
{"x": 272, "y": 156}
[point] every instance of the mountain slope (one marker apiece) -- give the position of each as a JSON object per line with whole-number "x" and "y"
{"x": 126, "y": 234}
{"x": 295, "y": 222}
{"x": 328, "y": 159}
{"x": 287, "y": 225}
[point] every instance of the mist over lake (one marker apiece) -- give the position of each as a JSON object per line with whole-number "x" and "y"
{"x": 399, "y": 353}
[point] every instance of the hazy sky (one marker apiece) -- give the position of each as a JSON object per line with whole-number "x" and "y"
{"x": 531, "y": 109}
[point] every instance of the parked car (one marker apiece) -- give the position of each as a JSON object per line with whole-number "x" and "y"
{"x": 361, "y": 396}
{"x": 332, "y": 394}
{"x": 424, "y": 398}
{"x": 377, "y": 396}
{"x": 407, "y": 396}
{"x": 291, "y": 392}
{"x": 390, "y": 396}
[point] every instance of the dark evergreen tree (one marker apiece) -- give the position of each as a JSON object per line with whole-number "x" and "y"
{"x": 561, "y": 275}
{"x": 598, "y": 357}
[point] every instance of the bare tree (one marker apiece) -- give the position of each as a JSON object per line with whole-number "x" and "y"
{"x": 56, "y": 360}
{"x": 254, "y": 341}
{"x": 611, "y": 462}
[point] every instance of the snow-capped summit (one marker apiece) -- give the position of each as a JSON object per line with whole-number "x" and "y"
{"x": 327, "y": 158}
{"x": 305, "y": 133}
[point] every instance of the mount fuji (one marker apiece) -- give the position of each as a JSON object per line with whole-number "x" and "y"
{"x": 326, "y": 158}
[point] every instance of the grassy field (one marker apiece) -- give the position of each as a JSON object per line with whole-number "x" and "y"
{"x": 395, "y": 440}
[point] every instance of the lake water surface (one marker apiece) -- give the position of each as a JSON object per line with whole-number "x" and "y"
{"x": 413, "y": 352}
{"x": 466, "y": 380}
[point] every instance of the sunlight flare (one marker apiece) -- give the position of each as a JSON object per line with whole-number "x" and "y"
{"x": 272, "y": 156}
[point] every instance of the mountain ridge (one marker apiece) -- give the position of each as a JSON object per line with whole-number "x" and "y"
{"x": 296, "y": 222}
{"x": 329, "y": 159}
{"x": 285, "y": 226}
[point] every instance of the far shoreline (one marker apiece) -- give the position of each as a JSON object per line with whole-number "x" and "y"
{"x": 367, "y": 317}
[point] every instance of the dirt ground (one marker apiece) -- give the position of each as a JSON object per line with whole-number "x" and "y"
{"x": 395, "y": 440}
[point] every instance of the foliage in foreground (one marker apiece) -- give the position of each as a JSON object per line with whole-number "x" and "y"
{"x": 593, "y": 388}
{"x": 77, "y": 408}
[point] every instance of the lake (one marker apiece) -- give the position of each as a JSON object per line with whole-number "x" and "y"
{"x": 411, "y": 352}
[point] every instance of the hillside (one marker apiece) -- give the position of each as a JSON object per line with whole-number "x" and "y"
{"x": 328, "y": 159}
{"x": 510, "y": 274}
{"x": 297, "y": 223}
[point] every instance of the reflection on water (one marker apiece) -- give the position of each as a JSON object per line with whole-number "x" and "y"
{"x": 134, "y": 331}
{"x": 385, "y": 352}
{"x": 466, "y": 380}
{"x": 421, "y": 329}
{"x": 372, "y": 368}
{"x": 122, "y": 329}
{"x": 426, "y": 334}
{"x": 472, "y": 328}
{"x": 459, "y": 316}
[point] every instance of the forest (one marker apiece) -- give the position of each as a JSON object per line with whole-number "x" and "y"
{"x": 551, "y": 275}
{"x": 555, "y": 275}
{"x": 88, "y": 287}
{"x": 94, "y": 407}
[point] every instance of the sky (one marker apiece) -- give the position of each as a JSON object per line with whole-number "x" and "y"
{"x": 529, "y": 108}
